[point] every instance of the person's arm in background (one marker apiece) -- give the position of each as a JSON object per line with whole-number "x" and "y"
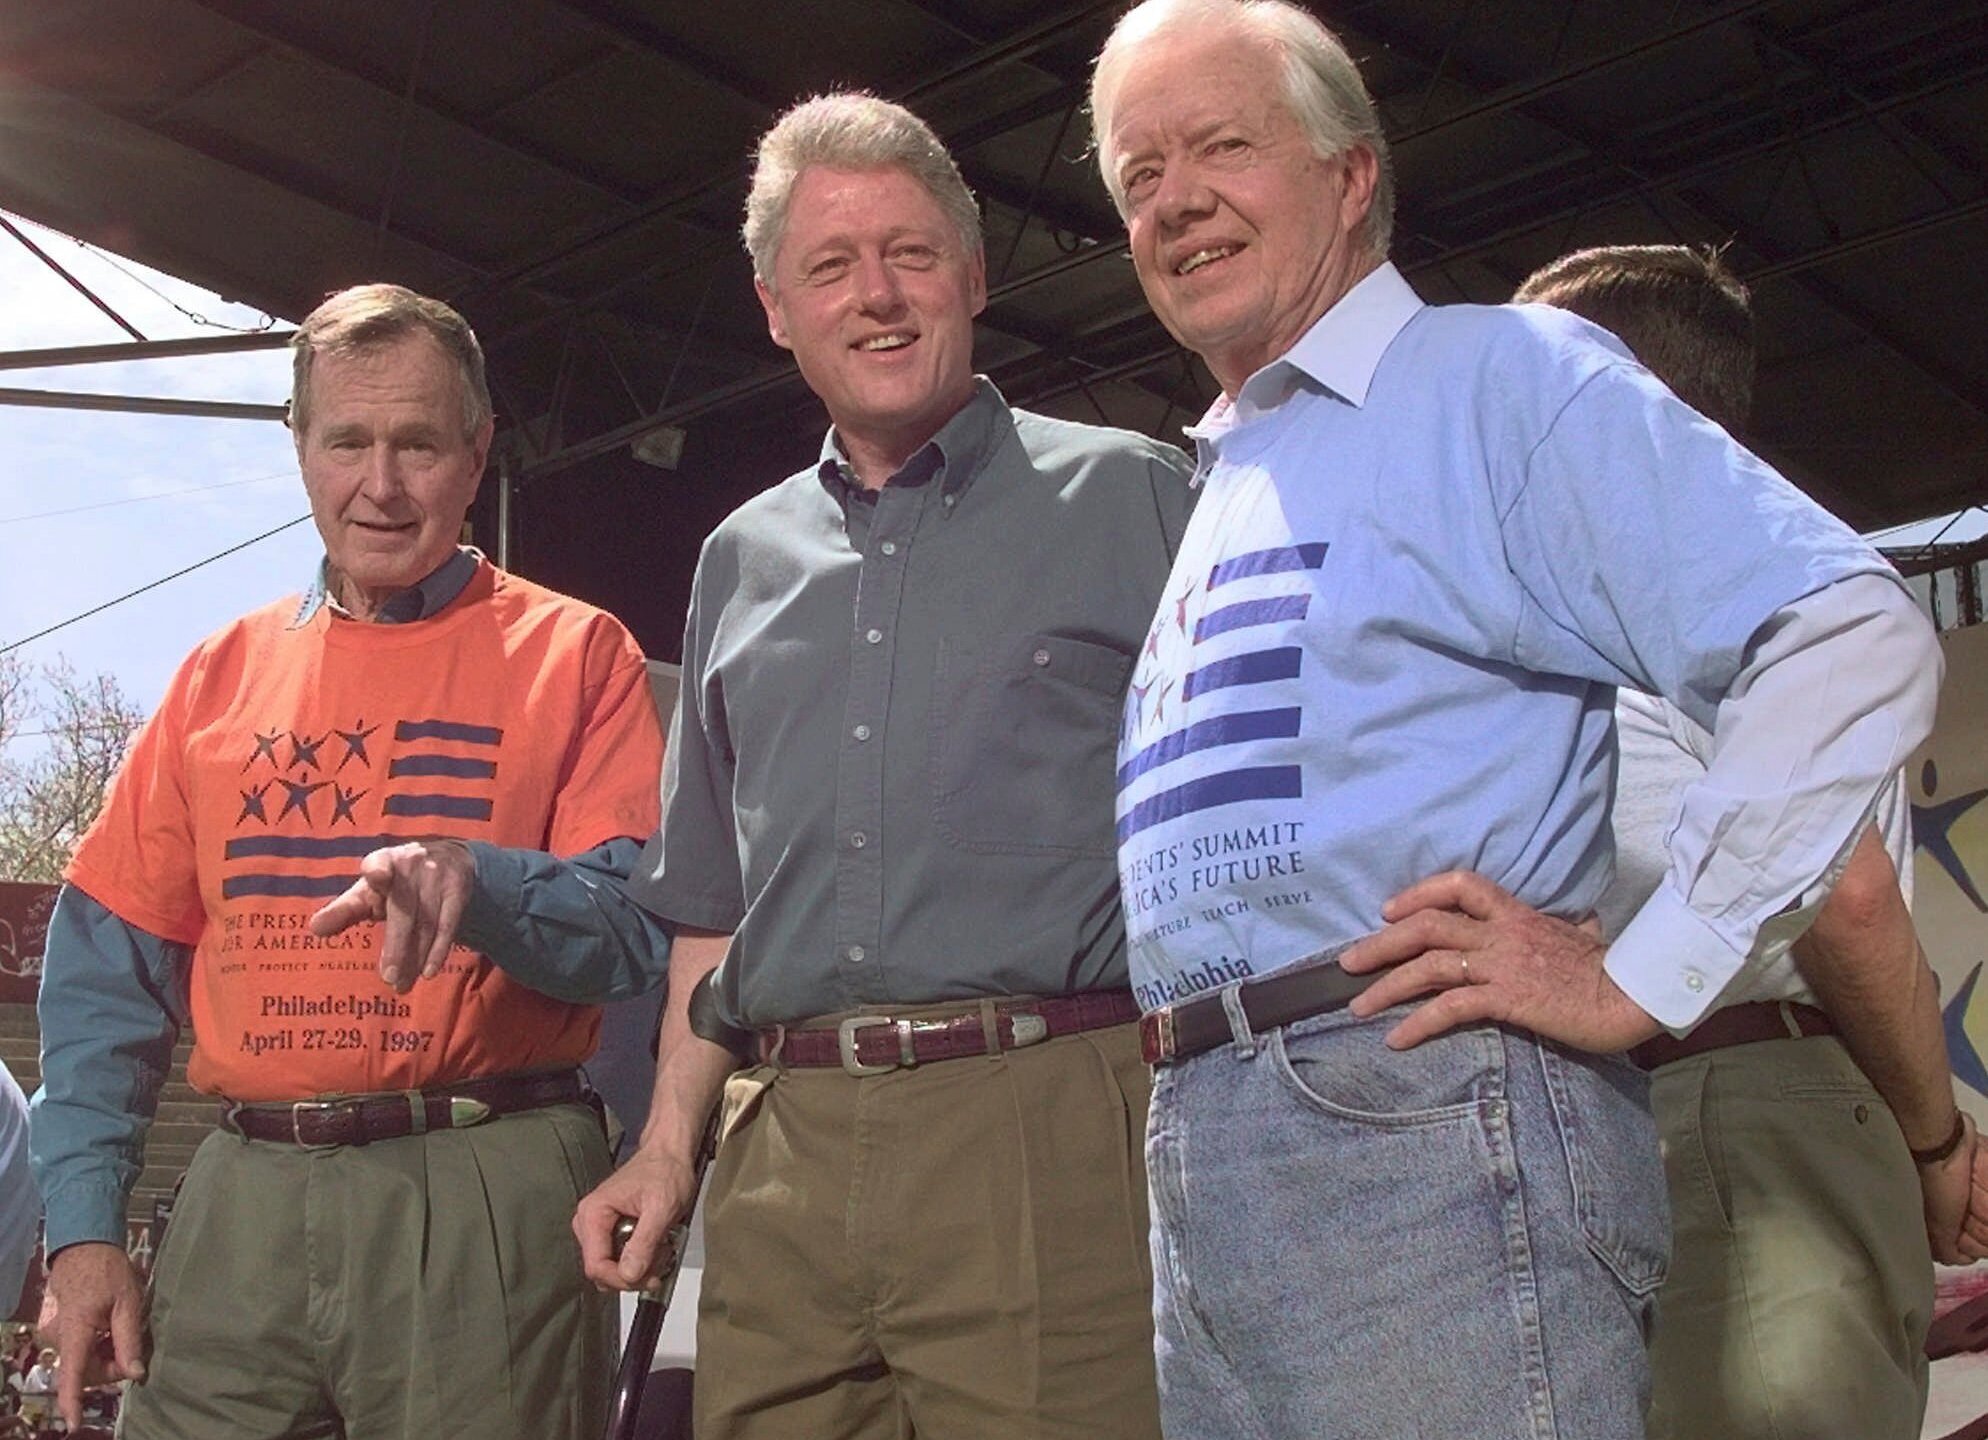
{"x": 1863, "y": 961}
{"x": 20, "y": 1204}
{"x": 112, "y": 1005}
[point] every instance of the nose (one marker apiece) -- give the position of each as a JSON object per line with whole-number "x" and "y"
{"x": 877, "y": 288}
{"x": 382, "y": 481}
{"x": 1182, "y": 196}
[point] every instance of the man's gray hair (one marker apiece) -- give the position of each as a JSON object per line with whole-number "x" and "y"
{"x": 850, "y": 130}
{"x": 371, "y": 317}
{"x": 1322, "y": 86}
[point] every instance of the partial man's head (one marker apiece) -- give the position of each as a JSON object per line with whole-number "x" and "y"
{"x": 1243, "y": 150}
{"x": 866, "y": 254}
{"x": 1678, "y": 309}
{"x": 392, "y": 423}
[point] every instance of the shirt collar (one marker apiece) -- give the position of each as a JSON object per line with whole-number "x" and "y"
{"x": 958, "y": 453}
{"x": 423, "y": 600}
{"x": 1340, "y": 352}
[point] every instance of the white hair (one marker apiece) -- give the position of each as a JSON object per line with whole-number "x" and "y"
{"x": 1322, "y": 86}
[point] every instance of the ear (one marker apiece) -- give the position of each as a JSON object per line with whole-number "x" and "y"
{"x": 775, "y": 325}
{"x": 480, "y": 450}
{"x": 1363, "y": 172}
{"x": 976, "y": 279}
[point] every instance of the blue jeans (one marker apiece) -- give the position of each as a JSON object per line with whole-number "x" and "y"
{"x": 1463, "y": 1239}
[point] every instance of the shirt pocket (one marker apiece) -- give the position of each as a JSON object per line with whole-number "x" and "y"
{"x": 1024, "y": 745}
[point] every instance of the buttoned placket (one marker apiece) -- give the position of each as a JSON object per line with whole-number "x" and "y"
{"x": 859, "y": 781}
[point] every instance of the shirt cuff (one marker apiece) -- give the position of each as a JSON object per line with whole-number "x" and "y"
{"x": 496, "y": 896}
{"x": 85, "y": 1211}
{"x": 1671, "y": 962}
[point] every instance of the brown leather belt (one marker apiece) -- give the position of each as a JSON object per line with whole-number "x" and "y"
{"x": 1310, "y": 987}
{"x": 360, "y": 1119}
{"x": 1736, "y": 1025}
{"x": 878, "y": 1044}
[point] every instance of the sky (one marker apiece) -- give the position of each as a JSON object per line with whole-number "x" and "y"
{"x": 94, "y": 504}
{"x": 144, "y": 495}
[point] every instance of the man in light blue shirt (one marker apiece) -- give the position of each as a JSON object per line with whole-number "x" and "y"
{"x": 20, "y": 1206}
{"x": 1431, "y": 542}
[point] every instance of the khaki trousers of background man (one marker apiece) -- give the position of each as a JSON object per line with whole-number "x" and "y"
{"x": 953, "y": 1251}
{"x": 1801, "y": 1282}
{"x": 425, "y": 1287}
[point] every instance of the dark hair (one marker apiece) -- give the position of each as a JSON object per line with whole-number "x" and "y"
{"x": 1678, "y": 309}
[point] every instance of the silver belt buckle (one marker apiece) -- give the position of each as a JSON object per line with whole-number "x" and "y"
{"x": 845, "y": 1041}
{"x": 297, "y": 1108}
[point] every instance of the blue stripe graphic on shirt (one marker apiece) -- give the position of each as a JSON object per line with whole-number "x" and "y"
{"x": 1264, "y": 782}
{"x": 447, "y": 730}
{"x": 1253, "y": 667}
{"x": 286, "y": 886}
{"x": 1251, "y": 612}
{"x": 308, "y": 847}
{"x": 441, "y": 765}
{"x": 1236, "y": 729}
{"x": 447, "y": 807}
{"x": 1280, "y": 561}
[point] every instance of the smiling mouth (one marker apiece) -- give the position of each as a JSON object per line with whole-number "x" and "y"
{"x": 1205, "y": 257}
{"x": 896, "y": 340}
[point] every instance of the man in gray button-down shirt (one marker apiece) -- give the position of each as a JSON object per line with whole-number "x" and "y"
{"x": 888, "y": 801}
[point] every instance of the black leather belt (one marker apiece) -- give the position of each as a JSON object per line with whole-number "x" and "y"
{"x": 1297, "y": 992}
{"x": 360, "y": 1119}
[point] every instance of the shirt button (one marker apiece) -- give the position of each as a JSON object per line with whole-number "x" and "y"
{"x": 1041, "y": 657}
{"x": 861, "y": 732}
{"x": 1693, "y": 981}
{"x": 855, "y": 954}
{"x": 873, "y": 636}
{"x": 950, "y": 501}
{"x": 858, "y": 840}
{"x": 889, "y": 547}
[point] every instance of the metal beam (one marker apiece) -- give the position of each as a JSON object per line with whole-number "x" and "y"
{"x": 124, "y": 350}
{"x": 142, "y": 405}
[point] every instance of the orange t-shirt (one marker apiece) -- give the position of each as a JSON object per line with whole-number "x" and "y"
{"x": 279, "y": 758}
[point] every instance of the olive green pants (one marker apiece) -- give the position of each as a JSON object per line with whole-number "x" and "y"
{"x": 956, "y": 1251}
{"x": 1801, "y": 1282}
{"x": 409, "y": 1289}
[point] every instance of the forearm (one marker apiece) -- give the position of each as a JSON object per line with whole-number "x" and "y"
{"x": 565, "y": 927}
{"x": 109, "y": 1015}
{"x": 690, "y": 1070}
{"x": 1862, "y": 959}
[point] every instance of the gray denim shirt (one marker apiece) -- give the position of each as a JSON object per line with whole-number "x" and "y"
{"x": 891, "y": 771}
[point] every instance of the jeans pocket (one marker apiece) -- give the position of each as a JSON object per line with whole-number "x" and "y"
{"x": 1614, "y": 1163}
{"x": 1342, "y": 1067}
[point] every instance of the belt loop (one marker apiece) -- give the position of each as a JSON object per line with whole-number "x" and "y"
{"x": 1232, "y": 1006}
{"x": 772, "y": 1056}
{"x": 417, "y": 1110}
{"x": 1789, "y": 1019}
{"x": 990, "y": 1028}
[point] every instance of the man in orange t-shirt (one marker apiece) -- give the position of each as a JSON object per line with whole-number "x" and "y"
{"x": 377, "y": 1240}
